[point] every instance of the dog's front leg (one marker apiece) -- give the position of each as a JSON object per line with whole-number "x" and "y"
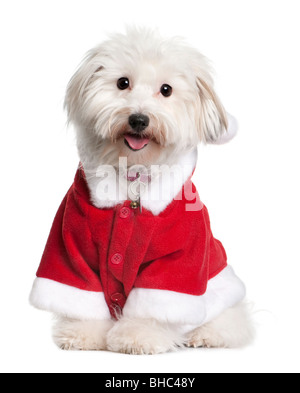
{"x": 143, "y": 337}
{"x": 72, "y": 334}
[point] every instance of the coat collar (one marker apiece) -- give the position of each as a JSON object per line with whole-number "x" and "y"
{"x": 108, "y": 188}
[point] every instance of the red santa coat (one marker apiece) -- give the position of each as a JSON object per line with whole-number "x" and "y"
{"x": 99, "y": 262}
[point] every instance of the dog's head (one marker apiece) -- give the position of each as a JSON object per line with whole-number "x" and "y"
{"x": 142, "y": 97}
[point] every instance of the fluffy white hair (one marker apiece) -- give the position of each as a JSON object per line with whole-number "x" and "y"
{"x": 100, "y": 111}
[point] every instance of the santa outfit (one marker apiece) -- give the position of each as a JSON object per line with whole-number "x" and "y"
{"x": 105, "y": 258}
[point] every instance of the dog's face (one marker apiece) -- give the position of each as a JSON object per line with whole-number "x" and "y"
{"x": 144, "y": 98}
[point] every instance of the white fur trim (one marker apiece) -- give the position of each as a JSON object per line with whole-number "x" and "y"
{"x": 223, "y": 291}
{"x": 166, "y": 183}
{"x": 68, "y": 301}
{"x": 165, "y": 306}
{"x": 167, "y": 186}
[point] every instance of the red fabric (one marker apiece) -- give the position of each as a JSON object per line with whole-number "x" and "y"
{"x": 114, "y": 250}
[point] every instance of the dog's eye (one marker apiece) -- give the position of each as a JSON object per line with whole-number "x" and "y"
{"x": 123, "y": 83}
{"x": 166, "y": 90}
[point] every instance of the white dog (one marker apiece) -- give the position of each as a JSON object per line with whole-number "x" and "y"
{"x": 131, "y": 264}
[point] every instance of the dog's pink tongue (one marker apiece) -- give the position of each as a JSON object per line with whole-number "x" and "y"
{"x": 136, "y": 143}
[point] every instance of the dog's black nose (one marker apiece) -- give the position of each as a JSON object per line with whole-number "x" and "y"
{"x": 139, "y": 122}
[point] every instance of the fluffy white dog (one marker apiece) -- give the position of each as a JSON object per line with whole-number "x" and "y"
{"x": 131, "y": 264}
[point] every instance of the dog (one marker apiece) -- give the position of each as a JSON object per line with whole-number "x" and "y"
{"x": 131, "y": 264}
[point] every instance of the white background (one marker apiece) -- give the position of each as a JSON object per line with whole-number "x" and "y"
{"x": 251, "y": 186}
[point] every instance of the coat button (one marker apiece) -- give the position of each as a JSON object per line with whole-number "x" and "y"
{"x": 116, "y": 259}
{"x": 117, "y": 297}
{"x": 125, "y": 212}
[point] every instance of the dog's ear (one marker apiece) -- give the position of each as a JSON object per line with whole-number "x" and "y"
{"x": 79, "y": 83}
{"x": 213, "y": 121}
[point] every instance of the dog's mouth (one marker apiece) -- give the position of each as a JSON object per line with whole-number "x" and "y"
{"x": 136, "y": 142}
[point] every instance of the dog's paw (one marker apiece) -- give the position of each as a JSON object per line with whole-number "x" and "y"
{"x": 232, "y": 329}
{"x": 142, "y": 337}
{"x": 81, "y": 335}
{"x": 204, "y": 337}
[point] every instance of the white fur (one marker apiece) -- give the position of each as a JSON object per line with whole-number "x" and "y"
{"x": 100, "y": 111}
{"x": 70, "y": 334}
{"x": 143, "y": 337}
{"x": 68, "y": 301}
{"x": 159, "y": 193}
{"x": 192, "y": 114}
{"x": 231, "y": 133}
{"x": 231, "y": 329}
{"x": 223, "y": 291}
